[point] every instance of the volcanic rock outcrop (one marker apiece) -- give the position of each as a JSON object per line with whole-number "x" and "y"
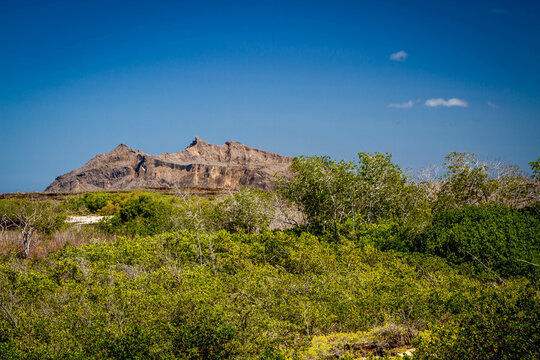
{"x": 201, "y": 165}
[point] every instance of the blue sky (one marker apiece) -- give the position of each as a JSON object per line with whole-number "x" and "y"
{"x": 419, "y": 79}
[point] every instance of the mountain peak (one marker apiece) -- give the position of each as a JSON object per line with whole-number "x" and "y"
{"x": 197, "y": 141}
{"x": 121, "y": 147}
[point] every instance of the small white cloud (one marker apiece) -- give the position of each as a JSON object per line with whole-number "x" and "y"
{"x": 447, "y": 103}
{"x": 406, "y": 105}
{"x": 399, "y": 56}
{"x": 493, "y": 105}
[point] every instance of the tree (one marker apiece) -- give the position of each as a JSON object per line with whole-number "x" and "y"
{"x": 4, "y": 225}
{"x": 286, "y": 214}
{"x": 193, "y": 217}
{"x": 511, "y": 187}
{"x": 329, "y": 192}
{"x": 247, "y": 210}
{"x": 466, "y": 181}
{"x": 30, "y": 217}
{"x": 471, "y": 181}
{"x": 323, "y": 190}
{"x": 381, "y": 186}
{"x": 535, "y": 167}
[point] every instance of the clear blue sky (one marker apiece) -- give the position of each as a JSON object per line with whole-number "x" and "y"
{"x": 416, "y": 78}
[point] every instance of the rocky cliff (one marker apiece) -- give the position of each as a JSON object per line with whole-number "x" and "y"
{"x": 200, "y": 165}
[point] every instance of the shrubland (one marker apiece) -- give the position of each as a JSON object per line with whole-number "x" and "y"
{"x": 345, "y": 260}
{"x": 254, "y": 294}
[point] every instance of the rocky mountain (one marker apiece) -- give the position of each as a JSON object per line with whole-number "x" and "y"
{"x": 201, "y": 165}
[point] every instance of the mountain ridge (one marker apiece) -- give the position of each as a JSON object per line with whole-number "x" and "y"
{"x": 200, "y": 165}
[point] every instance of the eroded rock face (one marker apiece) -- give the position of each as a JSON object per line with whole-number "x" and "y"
{"x": 200, "y": 165}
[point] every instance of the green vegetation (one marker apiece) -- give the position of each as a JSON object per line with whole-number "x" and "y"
{"x": 497, "y": 238}
{"x": 268, "y": 292}
{"x": 143, "y": 214}
{"x": 329, "y": 193}
{"x": 444, "y": 268}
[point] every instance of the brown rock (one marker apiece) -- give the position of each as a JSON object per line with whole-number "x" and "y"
{"x": 200, "y": 165}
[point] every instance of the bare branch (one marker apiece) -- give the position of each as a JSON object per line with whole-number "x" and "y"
{"x": 487, "y": 267}
{"x": 527, "y": 262}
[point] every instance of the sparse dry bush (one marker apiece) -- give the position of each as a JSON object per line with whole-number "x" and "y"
{"x": 42, "y": 245}
{"x": 31, "y": 218}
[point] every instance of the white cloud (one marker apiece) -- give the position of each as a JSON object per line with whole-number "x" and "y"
{"x": 405, "y": 105}
{"x": 493, "y": 105}
{"x": 399, "y": 56}
{"x": 447, "y": 103}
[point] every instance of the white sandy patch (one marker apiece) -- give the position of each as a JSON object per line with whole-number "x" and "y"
{"x": 84, "y": 220}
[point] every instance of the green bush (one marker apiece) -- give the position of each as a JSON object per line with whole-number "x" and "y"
{"x": 494, "y": 237}
{"x": 202, "y": 333}
{"x": 95, "y": 201}
{"x": 505, "y": 324}
{"x": 141, "y": 214}
{"x": 248, "y": 210}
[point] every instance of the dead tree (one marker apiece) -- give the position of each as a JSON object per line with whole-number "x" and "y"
{"x": 192, "y": 209}
{"x": 29, "y": 217}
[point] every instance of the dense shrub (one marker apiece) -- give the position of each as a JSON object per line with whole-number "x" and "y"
{"x": 499, "y": 238}
{"x": 504, "y": 325}
{"x": 254, "y": 294}
{"x": 488, "y": 238}
{"x": 141, "y": 214}
{"x": 95, "y": 201}
{"x": 202, "y": 333}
